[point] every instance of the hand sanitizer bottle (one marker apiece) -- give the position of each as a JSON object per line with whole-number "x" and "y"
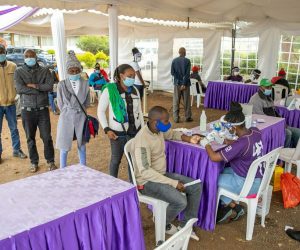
{"x": 203, "y": 121}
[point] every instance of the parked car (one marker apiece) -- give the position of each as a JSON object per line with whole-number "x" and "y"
{"x": 16, "y": 55}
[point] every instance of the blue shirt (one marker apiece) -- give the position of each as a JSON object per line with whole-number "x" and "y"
{"x": 180, "y": 70}
{"x": 96, "y": 79}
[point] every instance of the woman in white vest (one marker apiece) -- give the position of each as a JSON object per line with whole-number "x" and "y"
{"x": 125, "y": 117}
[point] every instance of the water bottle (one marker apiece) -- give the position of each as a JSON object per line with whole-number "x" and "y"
{"x": 203, "y": 120}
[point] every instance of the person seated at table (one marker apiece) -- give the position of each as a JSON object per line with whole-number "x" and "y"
{"x": 84, "y": 75}
{"x": 235, "y": 75}
{"x": 263, "y": 104}
{"x": 239, "y": 156}
{"x": 151, "y": 169}
{"x": 254, "y": 77}
{"x": 281, "y": 80}
{"x": 98, "y": 78}
{"x": 195, "y": 75}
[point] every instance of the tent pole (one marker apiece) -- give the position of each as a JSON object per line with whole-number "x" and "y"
{"x": 59, "y": 40}
{"x": 113, "y": 38}
{"x": 233, "y": 36}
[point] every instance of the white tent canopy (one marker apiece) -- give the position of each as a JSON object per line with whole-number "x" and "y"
{"x": 180, "y": 10}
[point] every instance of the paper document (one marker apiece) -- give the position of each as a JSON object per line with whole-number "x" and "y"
{"x": 192, "y": 183}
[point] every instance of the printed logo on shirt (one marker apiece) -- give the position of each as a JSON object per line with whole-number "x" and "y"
{"x": 227, "y": 149}
{"x": 257, "y": 149}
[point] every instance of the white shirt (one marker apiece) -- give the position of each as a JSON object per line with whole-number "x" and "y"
{"x": 75, "y": 86}
{"x": 136, "y": 68}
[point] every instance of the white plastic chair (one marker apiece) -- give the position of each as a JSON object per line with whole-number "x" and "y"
{"x": 278, "y": 90}
{"x": 193, "y": 92}
{"x": 159, "y": 207}
{"x": 267, "y": 161}
{"x": 291, "y": 156}
{"x": 180, "y": 240}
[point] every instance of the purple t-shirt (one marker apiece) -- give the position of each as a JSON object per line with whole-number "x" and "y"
{"x": 243, "y": 152}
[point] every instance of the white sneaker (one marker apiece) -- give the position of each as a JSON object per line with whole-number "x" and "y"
{"x": 193, "y": 234}
{"x": 171, "y": 229}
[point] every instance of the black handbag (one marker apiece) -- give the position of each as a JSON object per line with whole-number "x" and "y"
{"x": 91, "y": 125}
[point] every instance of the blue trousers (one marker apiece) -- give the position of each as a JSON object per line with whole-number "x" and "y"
{"x": 11, "y": 117}
{"x": 81, "y": 154}
{"x": 234, "y": 183}
{"x": 51, "y": 97}
{"x": 292, "y": 136}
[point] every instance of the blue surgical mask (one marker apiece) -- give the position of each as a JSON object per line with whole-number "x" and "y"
{"x": 129, "y": 81}
{"x": 30, "y": 61}
{"x": 161, "y": 127}
{"x": 74, "y": 77}
{"x": 97, "y": 71}
{"x": 268, "y": 92}
{"x": 2, "y": 58}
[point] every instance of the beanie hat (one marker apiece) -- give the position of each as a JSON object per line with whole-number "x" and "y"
{"x": 72, "y": 61}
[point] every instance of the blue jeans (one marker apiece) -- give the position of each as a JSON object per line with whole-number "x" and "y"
{"x": 81, "y": 154}
{"x": 234, "y": 183}
{"x": 177, "y": 202}
{"x": 292, "y": 136}
{"x": 52, "y": 96}
{"x": 11, "y": 117}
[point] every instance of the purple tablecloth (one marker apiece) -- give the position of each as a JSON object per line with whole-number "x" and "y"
{"x": 292, "y": 117}
{"x": 220, "y": 94}
{"x": 193, "y": 161}
{"x": 72, "y": 208}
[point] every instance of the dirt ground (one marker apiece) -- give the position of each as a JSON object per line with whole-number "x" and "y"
{"x": 228, "y": 236}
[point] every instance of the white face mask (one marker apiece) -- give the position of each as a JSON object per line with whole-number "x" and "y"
{"x": 236, "y": 73}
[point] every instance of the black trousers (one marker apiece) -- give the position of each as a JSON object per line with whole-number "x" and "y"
{"x": 31, "y": 121}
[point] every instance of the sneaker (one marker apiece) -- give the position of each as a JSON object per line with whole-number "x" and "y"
{"x": 34, "y": 168}
{"x": 171, "y": 229}
{"x": 239, "y": 212}
{"x": 189, "y": 119}
{"x": 223, "y": 214}
{"x": 193, "y": 234}
{"x": 51, "y": 166}
{"x": 19, "y": 154}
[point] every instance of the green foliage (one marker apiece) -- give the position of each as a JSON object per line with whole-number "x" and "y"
{"x": 87, "y": 59}
{"x": 93, "y": 44}
{"x": 51, "y": 51}
{"x": 101, "y": 56}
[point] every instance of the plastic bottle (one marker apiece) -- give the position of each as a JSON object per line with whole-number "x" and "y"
{"x": 203, "y": 120}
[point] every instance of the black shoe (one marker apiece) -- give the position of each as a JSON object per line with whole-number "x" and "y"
{"x": 34, "y": 168}
{"x": 19, "y": 154}
{"x": 223, "y": 214}
{"x": 239, "y": 212}
{"x": 295, "y": 235}
{"x": 189, "y": 119}
{"x": 51, "y": 166}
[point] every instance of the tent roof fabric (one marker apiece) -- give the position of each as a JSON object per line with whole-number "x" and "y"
{"x": 179, "y": 10}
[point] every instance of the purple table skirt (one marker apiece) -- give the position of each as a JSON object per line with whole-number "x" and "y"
{"x": 292, "y": 117}
{"x": 113, "y": 223}
{"x": 219, "y": 95}
{"x": 193, "y": 161}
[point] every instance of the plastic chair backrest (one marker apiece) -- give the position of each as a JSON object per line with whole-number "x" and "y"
{"x": 267, "y": 162}
{"x": 128, "y": 153}
{"x": 193, "y": 86}
{"x": 180, "y": 240}
{"x": 296, "y": 156}
{"x": 278, "y": 91}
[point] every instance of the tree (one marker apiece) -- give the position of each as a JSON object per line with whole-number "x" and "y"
{"x": 88, "y": 59}
{"x": 93, "y": 44}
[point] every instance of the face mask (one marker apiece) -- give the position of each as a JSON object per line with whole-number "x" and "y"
{"x": 161, "y": 127}
{"x": 268, "y": 92}
{"x": 236, "y": 73}
{"x": 129, "y": 81}
{"x": 74, "y": 77}
{"x": 2, "y": 58}
{"x": 30, "y": 61}
{"x": 97, "y": 71}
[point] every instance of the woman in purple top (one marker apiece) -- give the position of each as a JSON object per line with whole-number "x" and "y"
{"x": 239, "y": 156}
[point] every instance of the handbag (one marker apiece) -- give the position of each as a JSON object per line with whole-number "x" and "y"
{"x": 91, "y": 124}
